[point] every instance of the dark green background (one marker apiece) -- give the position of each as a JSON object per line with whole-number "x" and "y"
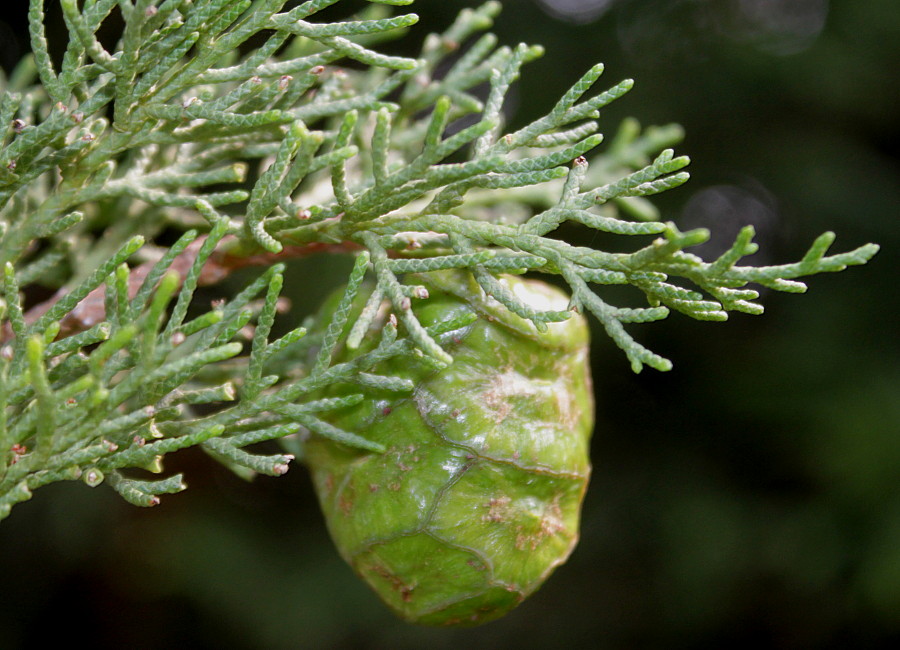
{"x": 752, "y": 494}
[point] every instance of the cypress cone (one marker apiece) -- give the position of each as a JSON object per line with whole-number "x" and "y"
{"x": 477, "y": 497}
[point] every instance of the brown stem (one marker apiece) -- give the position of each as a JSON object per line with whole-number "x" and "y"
{"x": 92, "y": 309}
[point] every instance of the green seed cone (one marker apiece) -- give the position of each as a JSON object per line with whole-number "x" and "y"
{"x": 477, "y": 498}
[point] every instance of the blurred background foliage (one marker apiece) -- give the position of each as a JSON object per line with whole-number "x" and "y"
{"x": 751, "y": 495}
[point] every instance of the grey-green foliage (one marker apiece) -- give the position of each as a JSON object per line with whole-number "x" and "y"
{"x": 275, "y": 149}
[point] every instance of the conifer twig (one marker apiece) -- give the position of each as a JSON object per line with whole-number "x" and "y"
{"x": 215, "y": 136}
